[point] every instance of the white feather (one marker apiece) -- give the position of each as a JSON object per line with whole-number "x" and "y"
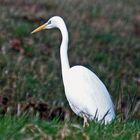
{"x": 87, "y": 94}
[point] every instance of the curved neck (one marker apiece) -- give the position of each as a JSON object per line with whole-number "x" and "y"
{"x": 63, "y": 49}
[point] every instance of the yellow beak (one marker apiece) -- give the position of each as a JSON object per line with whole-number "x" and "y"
{"x": 42, "y": 27}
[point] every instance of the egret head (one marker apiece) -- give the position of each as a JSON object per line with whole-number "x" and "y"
{"x": 54, "y": 22}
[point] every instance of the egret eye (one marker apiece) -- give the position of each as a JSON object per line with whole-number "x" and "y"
{"x": 49, "y": 22}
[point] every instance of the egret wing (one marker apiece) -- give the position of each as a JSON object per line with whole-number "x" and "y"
{"x": 86, "y": 92}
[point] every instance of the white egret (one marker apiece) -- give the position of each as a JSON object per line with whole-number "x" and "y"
{"x": 85, "y": 92}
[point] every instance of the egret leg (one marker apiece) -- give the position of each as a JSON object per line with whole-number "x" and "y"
{"x": 85, "y": 123}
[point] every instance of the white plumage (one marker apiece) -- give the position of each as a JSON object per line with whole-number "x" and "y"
{"x": 85, "y": 92}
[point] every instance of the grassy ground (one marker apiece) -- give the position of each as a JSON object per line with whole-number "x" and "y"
{"x": 104, "y": 36}
{"x": 15, "y": 128}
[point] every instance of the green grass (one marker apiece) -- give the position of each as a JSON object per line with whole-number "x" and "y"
{"x": 104, "y": 36}
{"x": 33, "y": 128}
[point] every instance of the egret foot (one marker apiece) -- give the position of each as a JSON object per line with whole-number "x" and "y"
{"x": 85, "y": 123}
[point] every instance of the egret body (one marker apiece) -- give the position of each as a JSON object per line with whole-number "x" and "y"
{"x": 85, "y": 92}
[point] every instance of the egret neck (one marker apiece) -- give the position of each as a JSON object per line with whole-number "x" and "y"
{"x": 63, "y": 49}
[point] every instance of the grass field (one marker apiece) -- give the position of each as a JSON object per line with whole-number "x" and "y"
{"x": 16, "y": 128}
{"x": 104, "y": 36}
